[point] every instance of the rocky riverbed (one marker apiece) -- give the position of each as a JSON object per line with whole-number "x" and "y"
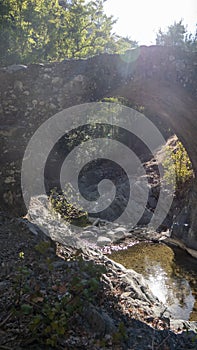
{"x": 57, "y": 296}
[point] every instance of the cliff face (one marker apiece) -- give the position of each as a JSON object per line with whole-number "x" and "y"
{"x": 162, "y": 80}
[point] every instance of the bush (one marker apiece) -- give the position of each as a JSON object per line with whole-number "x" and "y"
{"x": 61, "y": 204}
{"x": 47, "y": 315}
{"x": 177, "y": 164}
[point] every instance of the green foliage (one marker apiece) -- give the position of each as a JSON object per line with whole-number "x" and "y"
{"x": 123, "y": 44}
{"x": 44, "y": 30}
{"x": 50, "y": 321}
{"x": 191, "y": 41}
{"x": 22, "y": 275}
{"x": 177, "y": 35}
{"x": 61, "y": 203}
{"x": 49, "y": 315}
{"x": 173, "y": 36}
{"x": 123, "y": 101}
{"x": 178, "y": 164}
{"x": 21, "y": 255}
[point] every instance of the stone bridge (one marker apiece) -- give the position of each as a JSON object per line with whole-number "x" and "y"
{"x": 161, "y": 79}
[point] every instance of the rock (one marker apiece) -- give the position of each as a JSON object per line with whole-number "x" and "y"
{"x": 79, "y": 78}
{"x": 180, "y": 227}
{"x": 152, "y": 201}
{"x": 95, "y": 320}
{"x": 119, "y": 234}
{"x": 98, "y": 222}
{"x": 15, "y": 68}
{"x": 90, "y": 236}
{"x": 32, "y": 228}
{"x": 9, "y": 179}
{"x": 171, "y": 58}
{"x": 59, "y": 264}
{"x": 109, "y": 323}
{"x": 26, "y": 92}
{"x": 101, "y": 241}
{"x": 4, "y": 285}
{"x": 138, "y": 288}
{"x": 46, "y": 76}
{"x": 180, "y": 65}
{"x": 34, "y": 103}
{"x": 146, "y": 217}
{"x": 52, "y": 106}
{"x": 8, "y": 197}
{"x": 125, "y": 295}
{"x": 180, "y": 324}
{"x": 18, "y": 85}
{"x": 57, "y": 81}
{"x": 48, "y": 69}
{"x": 50, "y": 224}
{"x": 100, "y": 322}
{"x": 120, "y": 229}
{"x": 110, "y": 233}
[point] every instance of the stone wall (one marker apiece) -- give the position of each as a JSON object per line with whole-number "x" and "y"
{"x": 162, "y": 80}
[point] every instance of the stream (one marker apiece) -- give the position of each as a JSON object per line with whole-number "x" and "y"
{"x": 170, "y": 273}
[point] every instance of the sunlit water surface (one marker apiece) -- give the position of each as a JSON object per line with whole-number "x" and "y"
{"x": 170, "y": 273}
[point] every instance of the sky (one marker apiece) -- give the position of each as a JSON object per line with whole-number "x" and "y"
{"x": 141, "y": 19}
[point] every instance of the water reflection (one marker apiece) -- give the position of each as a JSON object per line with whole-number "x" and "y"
{"x": 173, "y": 291}
{"x": 157, "y": 262}
{"x": 157, "y": 279}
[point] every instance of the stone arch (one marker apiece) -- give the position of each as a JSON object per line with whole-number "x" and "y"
{"x": 162, "y": 79}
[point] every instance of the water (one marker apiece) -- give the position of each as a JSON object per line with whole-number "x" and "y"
{"x": 170, "y": 273}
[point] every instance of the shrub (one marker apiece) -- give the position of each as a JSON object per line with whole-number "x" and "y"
{"x": 177, "y": 164}
{"x": 61, "y": 203}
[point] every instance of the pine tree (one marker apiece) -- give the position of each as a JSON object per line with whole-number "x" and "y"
{"x": 177, "y": 35}
{"x": 174, "y": 36}
{"x": 49, "y": 30}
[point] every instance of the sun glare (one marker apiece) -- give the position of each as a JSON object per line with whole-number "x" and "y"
{"x": 141, "y": 19}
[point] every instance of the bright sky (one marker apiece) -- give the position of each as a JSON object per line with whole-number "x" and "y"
{"x": 141, "y": 19}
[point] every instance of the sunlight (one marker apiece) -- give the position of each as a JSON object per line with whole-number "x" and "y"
{"x": 176, "y": 295}
{"x": 140, "y": 20}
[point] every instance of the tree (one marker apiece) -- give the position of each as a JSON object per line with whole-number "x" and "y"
{"x": 177, "y": 35}
{"x": 89, "y": 31}
{"x": 191, "y": 40}
{"x": 122, "y": 44}
{"x": 174, "y": 36}
{"x": 5, "y": 28}
{"x": 48, "y": 30}
{"x": 29, "y": 27}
